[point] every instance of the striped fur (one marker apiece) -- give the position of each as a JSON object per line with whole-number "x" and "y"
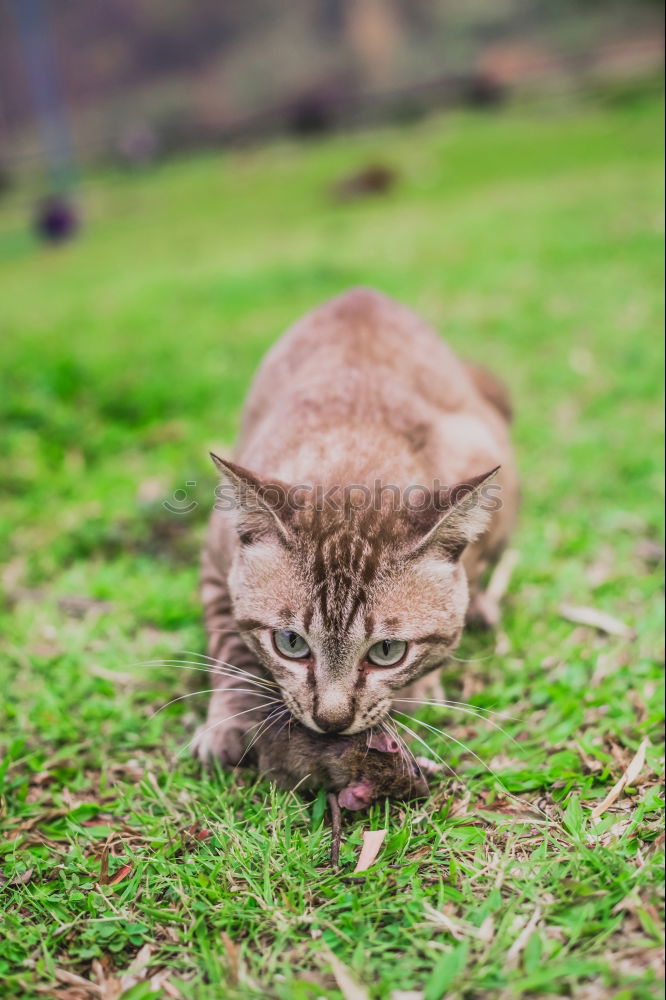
{"x": 358, "y": 392}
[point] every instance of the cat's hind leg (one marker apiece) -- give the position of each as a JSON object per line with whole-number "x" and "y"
{"x": 485, "y": 606}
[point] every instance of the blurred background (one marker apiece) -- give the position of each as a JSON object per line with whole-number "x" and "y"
{"x": 131, "y": 82}
{"x": 181, "y": 180}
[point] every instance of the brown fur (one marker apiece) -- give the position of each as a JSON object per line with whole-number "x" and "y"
{"x": 359, "y": 391}
{"x": 350, "y": 766}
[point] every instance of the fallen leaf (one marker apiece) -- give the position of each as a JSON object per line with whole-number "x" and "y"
{"x": 119, "y": 875}
{"x": 372, "y": 842}
{"x": 633, "y": 770}
{"x": 348, "y": 985}
{"x": 596, "y": 619}
{"x": 232, "y": 957}
{"x": 23, "y": 878}
{"x": 140, "y": 961}
{"x": 198, "y": 832}
{"x": 459, "y": 929}
{"x": 71, "y": 979}
{"x": 104, "y": 865}
{"x": 514, "y": 952}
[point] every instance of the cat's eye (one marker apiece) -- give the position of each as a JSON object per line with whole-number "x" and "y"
{"x": 290, "y": 644}
{"x": 387, "y": 653}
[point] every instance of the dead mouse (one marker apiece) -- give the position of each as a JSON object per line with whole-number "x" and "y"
{"x": 355, "y": 770}
{"x": 359, "y": 768}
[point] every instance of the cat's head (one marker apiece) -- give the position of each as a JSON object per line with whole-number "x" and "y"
{"x": 346, "y": 602}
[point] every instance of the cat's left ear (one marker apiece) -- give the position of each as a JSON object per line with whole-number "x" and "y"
{"x": 458, "y": 515}
{"x": 260, "y": 506}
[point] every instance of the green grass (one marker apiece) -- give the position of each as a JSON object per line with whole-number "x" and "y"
{"x": 534, "y": 243}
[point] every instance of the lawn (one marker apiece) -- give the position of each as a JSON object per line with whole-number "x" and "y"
{"x": 533, "y": 241}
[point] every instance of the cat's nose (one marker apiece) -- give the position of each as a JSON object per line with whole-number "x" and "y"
{"x": 333, "y": 722}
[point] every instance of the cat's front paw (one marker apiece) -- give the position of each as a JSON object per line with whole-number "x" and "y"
{"x": 224, "y": 743}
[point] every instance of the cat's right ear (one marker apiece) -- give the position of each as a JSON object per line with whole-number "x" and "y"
{"x": 260, "y": 507}
{"x": 460, "y": 514}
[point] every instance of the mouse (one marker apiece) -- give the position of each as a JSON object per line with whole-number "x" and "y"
{"x": 356, "y": 769}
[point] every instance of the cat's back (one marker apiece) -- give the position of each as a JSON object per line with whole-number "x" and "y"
{"x": 358, "y": 341}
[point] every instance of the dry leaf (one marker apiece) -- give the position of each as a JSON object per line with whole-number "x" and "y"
{"x": 459, "y": 929}
{"x": 348, "y": 985}
{"x": 198, "y": 832}
{"x": 140, "y": 961}
{"x": 513, "y": 954}
{"x": 595, "y": 619}
{"x": 119, "y": 875}
{"x": 23, "y": 878}
{"x": 232, "y": 957}
{"x": 71, "y": 979}
{"x": 487, "y": 929}
{"x": 633, "y": 770}
{"x": 372, "y": 842}
{"x": 104, "y": 864}
{"x": 112, "y": 985}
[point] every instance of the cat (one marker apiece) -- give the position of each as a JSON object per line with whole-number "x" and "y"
{"x": 373, "y": 485}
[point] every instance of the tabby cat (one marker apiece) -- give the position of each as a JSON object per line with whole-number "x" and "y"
{"x": 372, "y": 486}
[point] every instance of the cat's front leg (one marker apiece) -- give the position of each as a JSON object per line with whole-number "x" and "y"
{"x": 240, "y": 688}
{"x": 237, "y": 706}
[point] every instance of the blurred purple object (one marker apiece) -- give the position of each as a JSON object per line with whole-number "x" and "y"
{"x": 56, "y": 219}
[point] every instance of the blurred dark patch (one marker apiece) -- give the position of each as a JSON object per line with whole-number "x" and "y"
{"x": 314, "y": 112}
{"x": 374, "y": 179}
{"x": 56, "y": 219}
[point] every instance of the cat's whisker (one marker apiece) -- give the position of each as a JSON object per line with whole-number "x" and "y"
{"x": 193, "y": 694}
{"x": 476, "y": 708}
{"x": 368, "y": 737}
{"x": 287, "y": 722}
{"x": 456, "y": 707}
{"x": 205, "y": 665}
{"x": 222, "y": 671}
{"x": 405, "y": 752}
{"x": 468, "y": 750}
{"x": 216, "y": 662}
{"x": 262, "y": 727}
{"x": 383, "y": 728}
{"x": 429, "y": 748}
{"x": 220, "y": 722}
{"x": 470, "y": 659}
{"x": 388, "y": 732}
{"x": 442, "y": 732}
